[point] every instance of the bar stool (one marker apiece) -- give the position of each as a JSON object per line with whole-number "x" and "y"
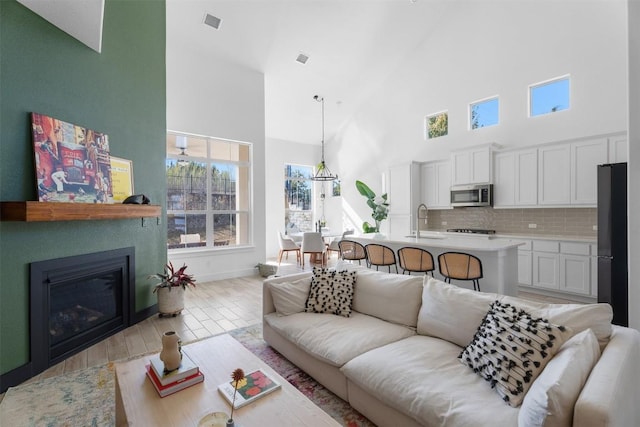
{"x": 416, "y": 260}
{"x": 352, "y": 251}
{"x": 460, "y": 266}
{"x": 381, "y": 255}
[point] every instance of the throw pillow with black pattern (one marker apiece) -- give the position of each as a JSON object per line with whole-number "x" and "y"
{"x": 331, "y": 292}
{"x": 511, "y": 348}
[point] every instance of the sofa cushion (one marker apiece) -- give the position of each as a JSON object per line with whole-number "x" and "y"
{"x": 577, "y": 317}
{"x": 450, "y": 312}
{"x": 392, "y": 297}
{"x": 290, "y": 297}
{"x": 336, "y": 339}
{"x": 554, "y": 393}
{"x": 422, "y": 377}
{"x": 331, "y": 292}
{"x": 511, "y": 348}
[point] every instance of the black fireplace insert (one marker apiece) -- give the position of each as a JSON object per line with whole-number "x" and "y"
{"x": 78, "y": 301}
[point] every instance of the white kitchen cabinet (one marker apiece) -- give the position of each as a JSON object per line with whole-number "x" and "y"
{"x": 594, "y": 270}
{"x": 403, "y": 190}
{"x": 472, "y": 166}
{"x": 436, "y": 184}
{"x": 585, "y": 158}
{"x": 575, "y": 274}
{"x": 554, "y": 175}
{"x": 618, "y": 151}
{"x": 515, "y": 178}
{"x": 545, "y": 270}
{"x": 525, "y": 260}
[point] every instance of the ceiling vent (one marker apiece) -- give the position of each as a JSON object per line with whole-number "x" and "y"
{"x": 302, "y": 58}
{"x": 212, "y": 21}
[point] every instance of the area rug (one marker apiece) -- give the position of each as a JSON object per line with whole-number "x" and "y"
{"x": 87, "y": 398}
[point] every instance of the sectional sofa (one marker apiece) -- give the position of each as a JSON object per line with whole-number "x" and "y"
{"x": 415, "y": 351}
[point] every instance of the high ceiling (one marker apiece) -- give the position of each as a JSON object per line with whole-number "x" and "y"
{"x": 353, "y": 46}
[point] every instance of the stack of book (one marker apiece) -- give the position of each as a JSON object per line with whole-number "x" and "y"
{"x": 167, "y": 383}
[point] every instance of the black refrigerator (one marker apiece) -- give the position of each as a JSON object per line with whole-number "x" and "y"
{"x": 612, "y": 240}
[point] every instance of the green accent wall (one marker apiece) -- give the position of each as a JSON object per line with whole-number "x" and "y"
{"x": 121, "y": 92}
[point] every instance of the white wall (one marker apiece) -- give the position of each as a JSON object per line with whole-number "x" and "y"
{"x": 218, "y": 99}
{"x": 634, "y": 163}
{"x": 483, "y": 49}
{"x": 278, "y": 154}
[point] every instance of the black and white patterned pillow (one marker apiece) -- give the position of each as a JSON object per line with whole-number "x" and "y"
{"x": 331, "y": 292}
{"x": 511, "y": 348}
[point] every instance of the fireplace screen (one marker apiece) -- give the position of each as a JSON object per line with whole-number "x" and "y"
{"x": 78, "y": 301}
{"x": 79, "y": 306}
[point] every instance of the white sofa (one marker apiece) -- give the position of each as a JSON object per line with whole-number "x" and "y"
{"x": 395, "y": 359}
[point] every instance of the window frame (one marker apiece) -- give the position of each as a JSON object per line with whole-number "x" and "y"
{"x": 426, "y": 124}
{"x": 209, "y": 211}
{"x": 532, "y": 86}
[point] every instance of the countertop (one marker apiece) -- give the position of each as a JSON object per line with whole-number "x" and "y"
{"x": 520, "y": 236}
{"x": 453, "y": 241}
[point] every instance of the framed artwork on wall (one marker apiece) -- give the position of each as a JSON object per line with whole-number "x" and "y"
{"x": 121, "y": 178}
{"x": 71, "y": 162}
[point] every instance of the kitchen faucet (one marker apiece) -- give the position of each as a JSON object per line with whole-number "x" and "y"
{"x": 421, "y": 207}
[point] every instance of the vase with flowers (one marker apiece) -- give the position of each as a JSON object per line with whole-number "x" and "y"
{"x": 378, "y": 204}
{"x": 239, "y": 381}
{"x": 170, "y": 289}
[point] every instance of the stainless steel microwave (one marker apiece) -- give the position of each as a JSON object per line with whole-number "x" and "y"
{"x": 472, "y": 195}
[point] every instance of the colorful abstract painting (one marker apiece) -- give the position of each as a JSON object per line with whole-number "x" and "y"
{"x": 72, "y": 163}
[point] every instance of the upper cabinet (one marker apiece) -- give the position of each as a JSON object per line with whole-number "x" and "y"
{"x": 472, "y": 166}
{"x": 558, "y": 175}
{"x": 436, "y": 184}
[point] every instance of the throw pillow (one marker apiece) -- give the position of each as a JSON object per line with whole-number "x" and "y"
{"x": 290, "y": 297}
{"x": 511, "y": 348}
{"x": 551, "y": 398}
{"x": 331, "y": 292}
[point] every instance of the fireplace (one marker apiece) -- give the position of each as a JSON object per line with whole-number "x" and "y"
{"x": 78, "y": 301}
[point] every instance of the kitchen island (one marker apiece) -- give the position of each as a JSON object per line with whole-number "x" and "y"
{"x": 499, "y": 257}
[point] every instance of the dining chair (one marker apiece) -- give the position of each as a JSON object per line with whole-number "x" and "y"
{"x": 334, "y": 246}
{"x": 352, "y": 251}
{"x": 287, "y": 245}
{"x": 381, "y": 255}
{"x": 460, "y": 266}
{"x": 313, "y": 244}
{"x": 416, "y": 260}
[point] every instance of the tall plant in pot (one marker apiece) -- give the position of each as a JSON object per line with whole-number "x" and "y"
{"x": 378, "y": 204}
{"x": 170, "y": 289}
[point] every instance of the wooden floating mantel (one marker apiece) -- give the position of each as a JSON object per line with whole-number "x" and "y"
{"x": 57, "y": 211}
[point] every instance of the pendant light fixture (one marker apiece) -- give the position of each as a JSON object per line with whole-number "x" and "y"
{"x": 322, "y": 171}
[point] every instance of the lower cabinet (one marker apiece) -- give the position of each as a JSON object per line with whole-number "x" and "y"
{"x": 559, "y": 266}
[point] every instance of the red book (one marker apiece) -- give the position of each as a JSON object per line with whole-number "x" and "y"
{"x": 165, "y": 390}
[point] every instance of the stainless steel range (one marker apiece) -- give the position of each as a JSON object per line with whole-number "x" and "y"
{"x": 471, "y": 231}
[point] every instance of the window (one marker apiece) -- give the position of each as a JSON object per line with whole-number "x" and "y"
{"x": 208, "y": 192}
{"x": 298, "y": 197}
{"x": 483, "y": 113}
{"x": 549, "y": 97}
{"x": 437, "y": 125}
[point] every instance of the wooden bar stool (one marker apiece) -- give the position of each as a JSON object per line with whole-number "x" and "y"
{"x": 381, "y": 255}
{"x": 460, "y": 266}
{"x": 416, "y": 260}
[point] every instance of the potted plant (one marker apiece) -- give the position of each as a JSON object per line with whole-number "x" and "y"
{"x": 379, "y": 205}
{"x": 171, "y": 289}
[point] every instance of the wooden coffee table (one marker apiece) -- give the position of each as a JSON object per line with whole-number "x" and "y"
{"x": 138, "y": 404}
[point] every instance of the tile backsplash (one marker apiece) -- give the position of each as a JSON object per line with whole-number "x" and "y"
{"x": 578, "y": 222}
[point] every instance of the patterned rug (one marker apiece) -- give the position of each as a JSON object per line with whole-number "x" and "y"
{"x": 86, "y": 397}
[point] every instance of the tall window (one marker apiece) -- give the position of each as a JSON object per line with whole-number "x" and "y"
{"x": 298, "y": 197}
{"x": 208, "y": 192}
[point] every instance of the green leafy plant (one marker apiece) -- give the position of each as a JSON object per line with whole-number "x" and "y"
{"x": 172, "y": 277}
{"x": 378, "y": 204}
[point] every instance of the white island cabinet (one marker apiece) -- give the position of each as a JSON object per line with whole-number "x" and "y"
{"x": 499, "y": 257}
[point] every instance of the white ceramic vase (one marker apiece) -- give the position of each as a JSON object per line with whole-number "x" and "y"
{"x": 171, "y": 355}
{"x": 170, "y": 300}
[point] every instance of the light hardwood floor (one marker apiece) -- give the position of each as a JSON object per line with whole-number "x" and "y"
{"x": 210, "y": 309}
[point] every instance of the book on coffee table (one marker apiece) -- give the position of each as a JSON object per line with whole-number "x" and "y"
{"x": 186, "y": 369}
{"x": 258, "y": 385}
{"x": 167, "y": 389}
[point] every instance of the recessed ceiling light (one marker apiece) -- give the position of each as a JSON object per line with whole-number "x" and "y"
{"x": 302, "y": 58}
{"x": 212, "y": 21}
